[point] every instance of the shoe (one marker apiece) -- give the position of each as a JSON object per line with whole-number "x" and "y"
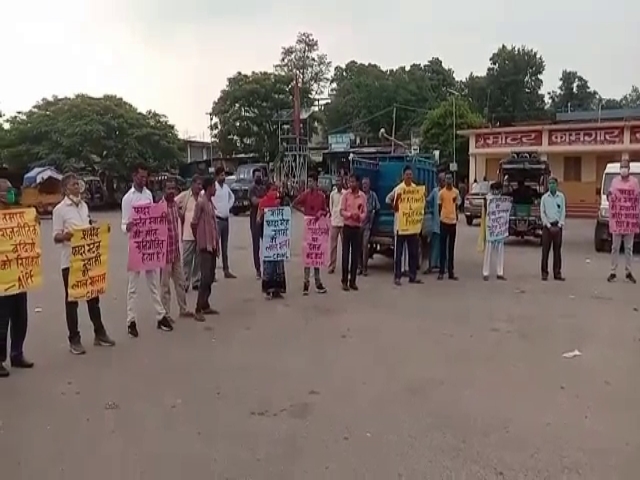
{"x": 258, "y": 275}
{"x": 305, "y": 288}
{"x": 170, "y": 318}
{"x": 320, "y": 288}
{"x": 132, "y": 329}
{"x": 630, "y": 277}
{"x": 4, "y": 373}
{"x": 365, "y": 273}
{"x": 186, "y": 314}
{"x": 440, "y": 276}
{"x": 21, "y": 362}
{"x": 229, "y": 275}
{"x": 210, "y": 311}
{"x": 397, "y": 282}
{"x": 165, "y": 325}
{"x": 416, "y": 281}
{"x": 544, "y": 277}
{"x": 345, "y": 287}
{"x": 76, "y": 348}
{"x": 453, "y": 277}
{"x": 354, "y": 287}
{"x": 558, "y": 278}
{"x": 359, "y": 271}
{"x": 612, "y": 277}
{"x": 103, "y": 340}
{"x": 501, "y": 278}
{"x": 485, "y": 278}
{"x": 199, "y": 317}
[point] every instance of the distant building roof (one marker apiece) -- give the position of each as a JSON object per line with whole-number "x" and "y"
{"x": 620, "y": 114}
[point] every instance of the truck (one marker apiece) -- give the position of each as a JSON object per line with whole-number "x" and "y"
{"x": 385, "y": 173}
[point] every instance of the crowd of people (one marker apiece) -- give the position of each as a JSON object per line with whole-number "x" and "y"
{"x": 198, "y": 235}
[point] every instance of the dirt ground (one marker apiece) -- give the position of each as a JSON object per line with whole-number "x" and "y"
{"x": 443, "y": 380}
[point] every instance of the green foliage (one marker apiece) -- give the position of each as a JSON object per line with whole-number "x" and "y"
{"x": 437, "y": 129}
{"x": 84, "y": 132}
{"x": 574, "y": 93}
{"x": 631, "y": 99}
{"x": 246, "y": 111}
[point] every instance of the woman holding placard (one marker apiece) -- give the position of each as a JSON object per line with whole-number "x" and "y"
{"x": 274, "y": 279}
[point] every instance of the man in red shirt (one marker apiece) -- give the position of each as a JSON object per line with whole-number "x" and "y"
{"x": 312, "y": 203}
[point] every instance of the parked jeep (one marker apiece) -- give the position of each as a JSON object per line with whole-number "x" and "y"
{"x": 242, "y": 184}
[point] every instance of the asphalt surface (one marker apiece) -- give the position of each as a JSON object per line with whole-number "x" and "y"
{"x": 443, "y": 380}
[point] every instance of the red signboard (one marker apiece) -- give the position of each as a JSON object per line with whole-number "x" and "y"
{"x": 635, "y": 134}
{"x": 586, "y": 137}
{"x": 526, "y": 139}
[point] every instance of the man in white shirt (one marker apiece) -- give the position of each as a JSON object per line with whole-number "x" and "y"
{"x": 223, "y": 201}
{"x": 337, "y": 223}
{"x": 138, "y": 195}
{"x": 190, "y": 259}
{"x": 72, "y": 212}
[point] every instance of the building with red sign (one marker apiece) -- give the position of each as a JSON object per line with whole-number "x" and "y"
{"x": 577, "y": 153}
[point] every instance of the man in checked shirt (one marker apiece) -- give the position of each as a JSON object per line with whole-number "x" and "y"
{"x": 173, "y": 269}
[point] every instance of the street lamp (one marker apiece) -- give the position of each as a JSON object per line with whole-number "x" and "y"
{"x": 453, "y": 98}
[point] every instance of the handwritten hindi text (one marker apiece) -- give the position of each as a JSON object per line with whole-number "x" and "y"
{"x": 148, "y": 237}
{"x": 624, "y": 211}
{"x": 276, "y": 243}
{"x": 89, "y": 260}
{"x": 315, "y": 244}
{"x": 20, "y": 254}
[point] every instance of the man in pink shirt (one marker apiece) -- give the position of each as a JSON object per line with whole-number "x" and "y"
{"x": 353, "y": 209}
{"x": 624, "y": 221}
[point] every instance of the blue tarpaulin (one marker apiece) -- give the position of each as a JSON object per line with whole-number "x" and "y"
{"x": 40, "y": 174}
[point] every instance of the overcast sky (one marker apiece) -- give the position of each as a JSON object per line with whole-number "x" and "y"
{"x": 174, "y": 55}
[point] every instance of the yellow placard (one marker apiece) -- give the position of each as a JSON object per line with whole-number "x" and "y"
{"x": 411, "y": 210}
{"x": 20, "y": 254}
{"x": 89, "y": 261}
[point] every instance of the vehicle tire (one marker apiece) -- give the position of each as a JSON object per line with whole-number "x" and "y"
{"x": 469, "y": 220}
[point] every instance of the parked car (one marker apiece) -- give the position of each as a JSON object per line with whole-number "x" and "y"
{"x": 473, "y": 201}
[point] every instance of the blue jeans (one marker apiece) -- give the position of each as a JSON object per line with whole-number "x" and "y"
{"x": 411, "y": 241}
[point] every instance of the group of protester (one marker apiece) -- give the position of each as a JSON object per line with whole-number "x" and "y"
{"x": 198, "y": 234}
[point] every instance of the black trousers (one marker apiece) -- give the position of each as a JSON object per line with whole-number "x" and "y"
{"x": 256, "y": 236}
{"x": 551, "y": 239}
{"x": 71, "y": 312}
{"x": 411, "y": 242}
{"x": 350, "y": 253}
{"x": 447, "y": 246}
{"x": 207, "y": 274}
{"x": 13, "y": 317}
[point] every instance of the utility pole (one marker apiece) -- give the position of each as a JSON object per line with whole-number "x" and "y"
{"x": 454, "y": 133}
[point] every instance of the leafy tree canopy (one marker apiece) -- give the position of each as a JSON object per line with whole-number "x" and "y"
{"x": 84, "y": 132}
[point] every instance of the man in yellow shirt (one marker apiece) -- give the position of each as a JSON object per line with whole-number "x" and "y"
{"x": 448, "y": 201}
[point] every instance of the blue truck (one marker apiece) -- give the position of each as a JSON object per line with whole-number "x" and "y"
{"x": 385, "y": 173}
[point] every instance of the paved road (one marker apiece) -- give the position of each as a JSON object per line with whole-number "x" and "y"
{"x": 437, "y": 381}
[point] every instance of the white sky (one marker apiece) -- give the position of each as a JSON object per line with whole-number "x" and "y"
{"x": 174, "y": 56}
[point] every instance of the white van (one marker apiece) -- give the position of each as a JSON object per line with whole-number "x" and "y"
{"x": 602, "y": 237}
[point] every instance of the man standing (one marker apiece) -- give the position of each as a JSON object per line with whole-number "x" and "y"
{"x": 432, "y": 221}
{"x": 493, "y": 249}
{"x": 373, "y": 206}
{"x": 624, "y": 183}
{"x": 552, "y": 214}
{"x": 173, "y": 268}
{"x": 353, "y": 209}
{"x": 312, "y": 202}
{"x": 410, "y": 241}
{"x": 258, "y": 190}
{"x": 448, "y": 201}
{"x": 190, "y": 262}
{"x": 337, "y": 223}
{"x": 223, "y": 201}
{"x": 139, "y": 195}
{"x": 14, "y": 313}
{"x": 72, "y": 212}
{"x": 204, "y": 229}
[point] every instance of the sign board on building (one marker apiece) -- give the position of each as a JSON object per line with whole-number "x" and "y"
{"x": 586, "y": 137}
{"x": 339, "y": 142}
{"x": 531, "y": 138}
{"x": 635, "y": 135}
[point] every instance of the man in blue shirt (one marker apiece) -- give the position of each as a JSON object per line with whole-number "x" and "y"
{"x": 553, "y": 214}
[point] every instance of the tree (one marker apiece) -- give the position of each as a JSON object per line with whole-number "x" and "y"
{"x": 437, "y": 129}
{"x": 574, "y": 93}
{"x": 94, "y": 133}
{"x": 631, "y": 99}
{"x": 514, "y": 85}
{"x": 304, "y": 61}
{"x": 246, "y": 110}
{"x": 474, "y": 87}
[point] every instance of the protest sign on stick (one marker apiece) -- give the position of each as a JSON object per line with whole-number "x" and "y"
{"x": 624, "y": 211}
{"x": 411, "y": 210}
{"x": 20, "y": 253}
{"x": 315, "y": 243}
{"x": 148, "y": 237}
{"x": 498, "y": 213}
{"x": 89, "y": 261}
{"x": 276, "y": 240}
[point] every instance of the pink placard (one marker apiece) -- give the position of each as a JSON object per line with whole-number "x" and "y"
{"x": 148, "y": 237}
{"x": 315, "y": 243}
{"x": 624, "y": 211}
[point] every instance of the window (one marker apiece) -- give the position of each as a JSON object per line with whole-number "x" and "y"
{"x": 572, "y": 169}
